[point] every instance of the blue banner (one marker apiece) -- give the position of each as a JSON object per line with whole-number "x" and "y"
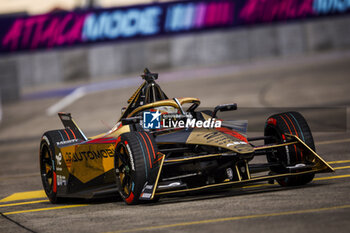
{"x": 65, "y": 29}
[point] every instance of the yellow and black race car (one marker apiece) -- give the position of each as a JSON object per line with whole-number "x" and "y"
{"x": 163, "y": 146}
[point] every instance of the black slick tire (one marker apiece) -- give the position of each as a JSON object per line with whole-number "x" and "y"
{"x": 135, "y": 156}
{"x": 276, "y": 127}
{"x": 48, "y": 164}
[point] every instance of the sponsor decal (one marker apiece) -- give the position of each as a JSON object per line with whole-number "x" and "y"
{"x": 47, "y": 140}
{"x": 66, "y": 142}
{"x": 235, "y": 143}
{"x": 275, "y": 10}
{"x": 59, "y": 161}
{"x": 130, "y": 157}
{"x": 331, "y": 6}
{"x": 61, "y": 180}
{"x": 87, "y": 155}
{"x": 146, "y": 195}
{"x": 229, "y": 173}
{"x": 221, "y": 139}
{"x": 84, "y": 27}
{"x": 43, "y": 31}
{"x": 121, "y": 24}
{"x": 147, "y": 190}
{"x": 68, "y": 160}
{"x": 182, "y": 17}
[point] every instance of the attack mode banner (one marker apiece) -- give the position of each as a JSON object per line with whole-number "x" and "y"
{"x": 117, "y": 24}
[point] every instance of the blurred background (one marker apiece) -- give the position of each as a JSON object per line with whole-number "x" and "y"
{"x": 44, "y": 6}
{"x": 85, "y": 56}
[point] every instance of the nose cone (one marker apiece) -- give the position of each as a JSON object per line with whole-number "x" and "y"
{"x": 220, "y": 137}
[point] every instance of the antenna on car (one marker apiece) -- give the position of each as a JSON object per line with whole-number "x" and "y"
{"x": 148, "y": 76}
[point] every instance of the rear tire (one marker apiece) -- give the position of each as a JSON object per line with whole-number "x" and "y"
{"x": 48, "y": 165}
{"x": 135, "y": 155}
{"x": 289, "y": 123}
{"x": 47, "y": 160}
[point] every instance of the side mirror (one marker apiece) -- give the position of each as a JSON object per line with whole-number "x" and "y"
{"x": 224, "y": 108}
{"x": 131, "y": 120}
{"x": 123, "y": 110}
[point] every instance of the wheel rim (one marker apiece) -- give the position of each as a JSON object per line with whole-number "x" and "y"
{"x": 124, "y": 170}
{"x": 276, "y": 138}
{"x": 46, "y": 168}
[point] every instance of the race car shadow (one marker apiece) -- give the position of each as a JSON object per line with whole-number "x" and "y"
{"x": 92, "y": 201}
{"x": 259, "y": 188}
{"x": 238, "y": 191}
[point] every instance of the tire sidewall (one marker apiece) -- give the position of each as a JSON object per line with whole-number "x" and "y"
{"x": 46, "y": 141}
{"x": 127, "y": 197}
{"x": 277, "y": 125}
{"x": 140, "y": 174}
{"x": 288, "y": 155}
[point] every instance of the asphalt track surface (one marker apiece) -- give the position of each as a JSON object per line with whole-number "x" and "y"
{"x": 322, "y": 206}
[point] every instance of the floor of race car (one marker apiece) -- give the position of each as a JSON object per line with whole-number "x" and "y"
{"x": 322, "y": 206}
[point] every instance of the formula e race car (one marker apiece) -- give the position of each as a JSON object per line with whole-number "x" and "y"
{"x": 163, "y": 146}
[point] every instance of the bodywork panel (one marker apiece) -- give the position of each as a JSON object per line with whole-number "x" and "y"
{"x": 224, "y": 138}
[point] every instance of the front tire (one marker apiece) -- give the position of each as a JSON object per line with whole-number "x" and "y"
{"x": 276, "y": 127}
{"x": 135, "y": 156}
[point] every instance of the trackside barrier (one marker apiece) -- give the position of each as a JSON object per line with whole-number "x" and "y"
{"x": 0, "y": 108}
{"x": 65, "y": 29}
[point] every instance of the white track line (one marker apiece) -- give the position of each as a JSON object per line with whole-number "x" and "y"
{"x": 66, "y": 101}
{"x": 88, "y": 89}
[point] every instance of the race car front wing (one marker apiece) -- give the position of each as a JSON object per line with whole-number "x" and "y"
{"x": 318, "y": 165}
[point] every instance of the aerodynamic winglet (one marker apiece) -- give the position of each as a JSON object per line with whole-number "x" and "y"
{"x": 68, "y": 122}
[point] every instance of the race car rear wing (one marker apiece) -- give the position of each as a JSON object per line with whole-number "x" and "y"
{"x": 69, "y": 123}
